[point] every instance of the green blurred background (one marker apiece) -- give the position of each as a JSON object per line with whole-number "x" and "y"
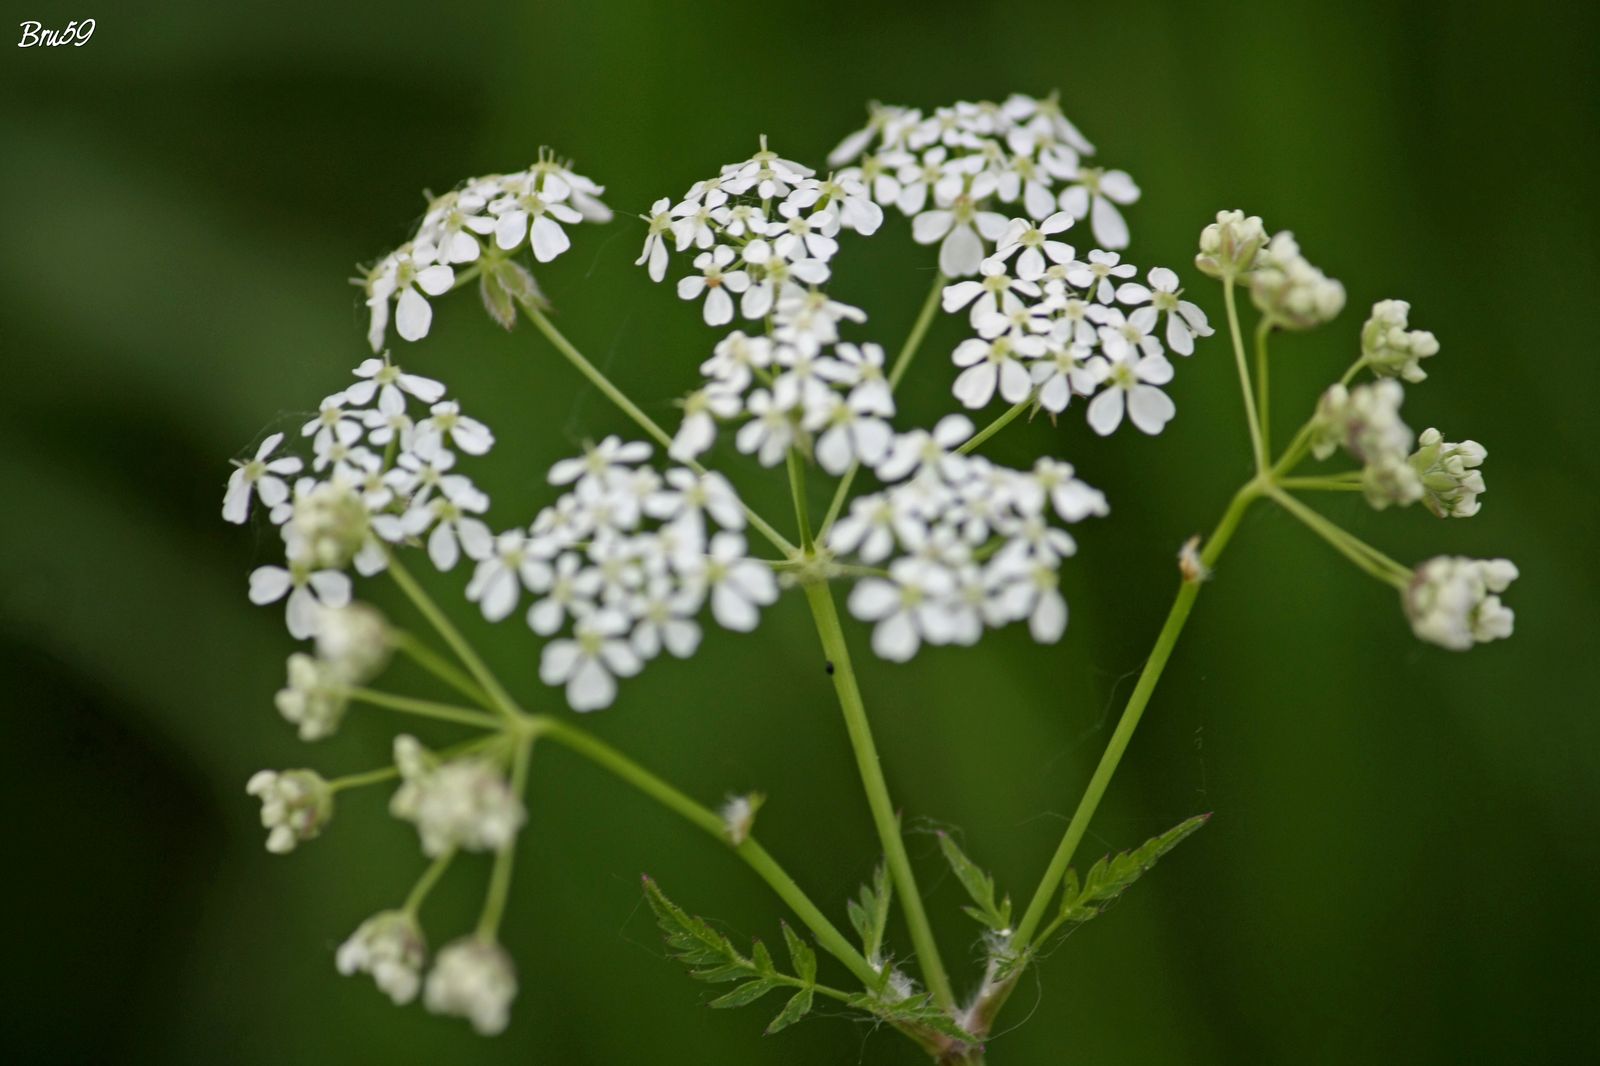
{"x": 1401, "y": 867}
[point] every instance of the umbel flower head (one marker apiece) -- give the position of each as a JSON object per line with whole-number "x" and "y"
{"x": 1390, "y": 348}
{"x": 473, "y": 979}
{"x": 389, "y": 946}
{"x": 1451, "y": 480}
{"x": 1289, "y": 290}
{"x": 295, "y": 805}
{"x": 1454, "y": 602}
{"x": 461, "y": 803}
{"x": 1229, "y": 245}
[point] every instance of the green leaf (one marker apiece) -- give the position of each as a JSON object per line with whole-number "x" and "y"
{"x": 805, "y": 960}
{"x": 979, "y": 886}
{"x": 870, "y": 916}
{"x": 746, "y": 993}
{"x": 1109, "y": 877}
{"x": 797, "y": 1007}
{"x": 709, "y": 955}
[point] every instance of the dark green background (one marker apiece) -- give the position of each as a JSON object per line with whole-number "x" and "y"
{"x": 1401, "y": 864}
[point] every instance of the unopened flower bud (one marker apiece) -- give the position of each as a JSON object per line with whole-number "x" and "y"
{"x": 1289, "y": 290}
{"x": 1389, "y": 348}
{"x": 1454, "y": 602}
{"x": 328, "y": 525}
{"x": 739, "y": 816}
{"x": 389, "y": 946}
{"x": 473, "y": 979}
{"x": 315, "y": 698}
{"x": 1451, "y": 480}
{"x": 354, "y": 641}
{"x": 295, "y": 805}
{"x": 1229, "y": 245}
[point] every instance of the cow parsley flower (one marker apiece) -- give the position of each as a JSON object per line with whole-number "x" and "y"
{"x": 315, "y": 697}
{"x": 389, "y": 946}
{"x": 1097, "y": 194}
{"x": 1289, "y": 290}
{"x": 589, "y": 663}
{"x": 405, "y": 275}
{"x": 354, "y": 640}
{"x": 1131, "y": 384}
{"x": 1229, "y": 245}
{"x": 1454, "y": 602}
{"x": 473, "y": 979}
{"x": 1451, "y": 480}
{"x": 261, "y": 476}
{"x": 295, "y": 805}
{"x": 1366, "y": 422}
{"x": 1185, "y": 320}
{"x": 308, "y": 592}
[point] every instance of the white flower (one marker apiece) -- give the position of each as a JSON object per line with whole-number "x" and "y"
{"x": 535, "y": 209}
{"x": 586, "y": 663}
{"x": 445, "y": 422}
{"x": 473, "y": 979}
{"x": 1094, "y": 277}
{"x": 960, "y": 230}
{"x": 921, "y": 449}
{"x": 1454, "y": 602}
{"x": 716, "y": 281}
{"x": 848, "y": 435}
{"x": 908, "y": 607}
{"x": 991, "y": 364}
{"x": 260, "y": 476}
{"x": 996, "y": 292}
{"x": 315, "y": 698}
{"x": 354, "y": 640}
{"x": 501, "y": 576}
{"x": 460, "y": 803}
{"x": 1131, "y": 383}
{"x": 701, "y": 410}
{"x": 1366, "y": 421}
{"x": 382, "y": 379}
{"x": 295, "y": 805}
{"x": 400, "y": 275}
{"x": 859, "y": 367}
{"x": 1034, "y": 241}
{"x": 327, "y": 525}
{"x": 571, "y": 594}
{"x": 1065, "y": 372}
{"x": 1185, "y": 321}
{"x": 737, "y": 585}
{"x": 655, "y": 241}
{"x": 1096, "y": 194}
{"x": 391, "y": 948}
{"x": 665, "y": 619}
{"x": 1451, "y": 480}
{"x": 769, "y": 432}
{"x": 308, "y": 590}
{"x": 798, "y": 236}
{"x": 1392, "y": 350}
{"x": 735, "y": 360}
{"x": 1072, "y": 499}
{"x": 1288, "y": 289}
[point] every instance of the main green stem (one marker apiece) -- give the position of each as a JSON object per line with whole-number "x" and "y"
{"x": 820, "y": 597}
{"x": 633, "y": 411}
{"x": 1050, "y": 884}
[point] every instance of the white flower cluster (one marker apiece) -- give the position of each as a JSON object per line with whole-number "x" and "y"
{"x": 488, "y": 218}
{"x": 1390, "y": 347}
{"x": 295, "y": 805}
{"x": 473, "y": 979}
{"x": 383, "y": 457}
{"x": 969, "y": 544}
{"x": 1289, "y": 290}
{"x": 1053, "y": 331}
{"x": 456, "y": 803}
{"x": 389, "y": 946}
{"x": 947, "y": 170}
{"x": 625, "y": 560}
{"x": 1366, "y": 422}
{"x": 1454, "y": 602}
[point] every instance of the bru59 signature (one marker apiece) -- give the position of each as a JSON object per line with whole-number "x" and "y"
{"x": 74, "y": 33}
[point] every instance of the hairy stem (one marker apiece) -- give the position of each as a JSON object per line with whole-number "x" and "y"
{"x": 633, "y": 411}
{"x": 826, "y": 616}
{"x": 1051, "y": 883}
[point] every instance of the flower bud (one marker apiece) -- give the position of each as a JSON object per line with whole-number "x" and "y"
{"x": 739, "y": 816}
{"x": 1454, "y": 602}
{"x": 295, "y": 805}
{"x": 1289, "y": 290}
{"x": 328, "y": 525}
{"x": 354, "y": 641}
{"x": 1451, "y": 481}
{"x": 473, "y": 979}
{"x": 1389, "y": 348}
{"x": 389, "y": 946}
{"x": 315, "y": 697}
{"x": 1229, "y": 245}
